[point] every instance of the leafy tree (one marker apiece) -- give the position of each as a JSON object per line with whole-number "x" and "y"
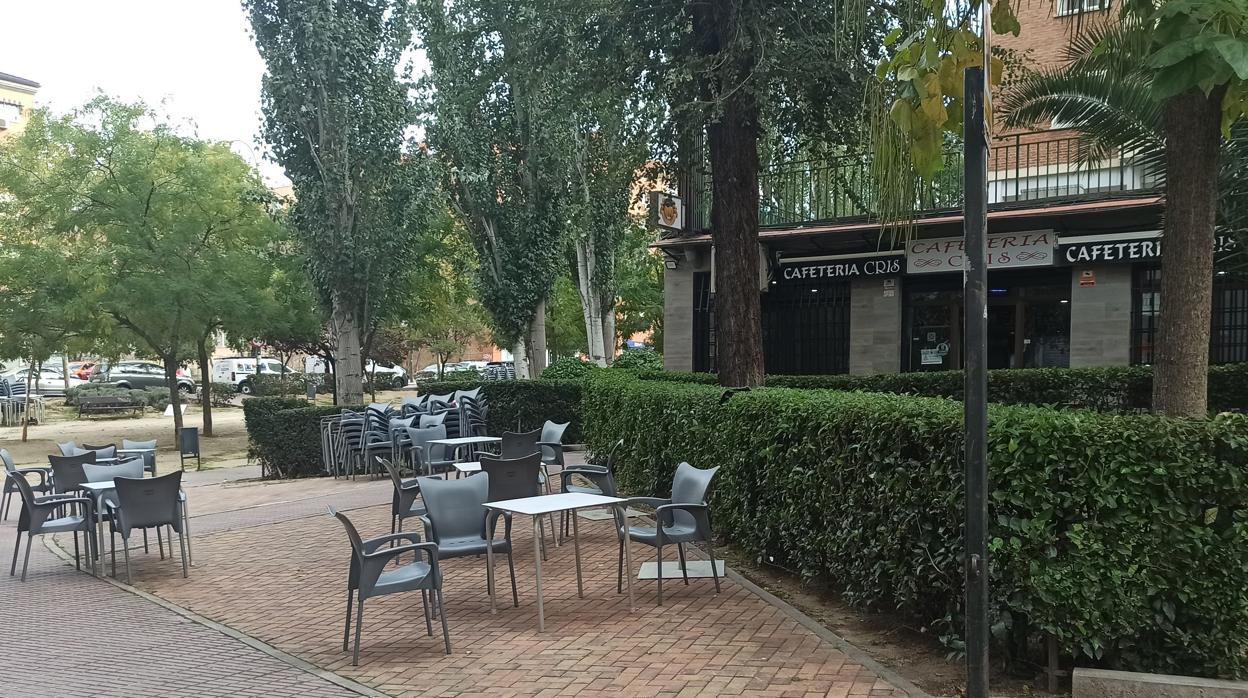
{"x": 565, "y": 320}
{"x": 335, "y": 110}
{"x": 159, "y": 230}
{"x": 738, "y": 71}
{"x": 639, "y": 274}
{"x": 496, "y": 119}
{"x": 1191, "y": 56}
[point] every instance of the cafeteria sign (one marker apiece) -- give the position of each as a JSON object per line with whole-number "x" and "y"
{"x": 846, "y": 266}
{"x": 1005, "y": 250}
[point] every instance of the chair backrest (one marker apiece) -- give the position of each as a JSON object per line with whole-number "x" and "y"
{"x": 413, "y": 401}
{"x": 429, "y": 453}
{"x": 17, "y": 388}
{"x": 7, "y": 459}
{"x": 67, "y": 473}
{"x": 461, "y": 394}
{"x": 691, "y": 486}
{"x": 433, "y": 420}
{"x": 357, "y": 543}
{"x": 5, "y": 389}
{"x": 150, "y": 501}
{"x": 393, "y": 470}
{"x": 518, "y": 444}
{"x": 128, "y": 444}
{"x": 106, "y": 451}
{"x": 396, "y": 424}
{"x": 512, "y": 478}
{"x": 454, "y": 506}
{"x": 445, "y": 399}
{"x": 68, "y": 448}
{"x": 132, "y": 468}
{"x": 552, "y": 432}
{"x": 612, "y": 455}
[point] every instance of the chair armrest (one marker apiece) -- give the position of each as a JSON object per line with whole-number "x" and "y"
{"x": 60, "y": 499}
{"x": 430, "y": 549}
{"x": 655, "y": 502}
{"x": 42, "y": 472}
{"x": 552, "y": 444}
{"x": 428, "y": 524}
{"x": 586, "y": 469}
{"x": 372, "y": 544}
{"x": 410, "y": 486}
{"x": 663, "y": 514}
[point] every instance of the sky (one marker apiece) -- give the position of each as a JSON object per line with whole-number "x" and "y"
{"x": 195, "y": 56}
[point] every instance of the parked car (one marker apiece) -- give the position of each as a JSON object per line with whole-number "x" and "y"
{"x": 387, "y": 374}
{"x": 138, "y": 374}
{"x": 81, "y": 369}
{"x": 49, "y": 381}
{"x": 238, "y": 371}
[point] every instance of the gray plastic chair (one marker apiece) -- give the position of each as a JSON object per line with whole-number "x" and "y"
{"x": 10, "y": 487}
{"x": 107, "y": 451}
{"x": 369, "y": 577}
{"x": 43, "y": 515}
{"x": 429, "y": 457}
{"x": 433, "y": 420}
{"x": 67, "y": 475}
{"x": 67, "y": 448}
{"x": 600, "y": 479}
{"x": 405, "y": 503}
{"x": 148, "y": 503}
{"x": 684, "y": 518}
{"x": 149, "y": 457}
{"x": 517, "y": 444}
{"x": 515, "y": 478}
{"x": 456, "y": 520}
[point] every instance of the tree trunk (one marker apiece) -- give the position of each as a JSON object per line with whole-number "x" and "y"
{"x": 65, "y": 370}
{"x": 205, "y": 384}
{"x": 1181, "y": 370}
{"x": 537, "y": 341}
{"x": 733, "y": 145}
{"x": 31, "y": 372}
{"x": 348, "y": 369}
{"x": 520, "y": 357}
{"x": 175, "y": 398}
{"x": 591, "y": 308}
{"x": 608, "y": 331}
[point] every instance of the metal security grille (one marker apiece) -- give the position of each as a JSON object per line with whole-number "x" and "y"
{"x": 1228, "y": 336}
{"x": 703, "y": 323}
{"x": 806, "y": 328}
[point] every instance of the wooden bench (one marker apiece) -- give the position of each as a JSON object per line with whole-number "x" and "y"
{"x": 101, "y": 404}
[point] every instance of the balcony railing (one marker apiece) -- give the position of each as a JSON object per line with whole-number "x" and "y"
{"x": 1022, "y": 169}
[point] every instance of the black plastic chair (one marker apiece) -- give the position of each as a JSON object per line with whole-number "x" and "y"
{"x": 427, "y": 457}
{"x": 106, "y": 451}
{"x": 600, "y": 479}
{"x": 515, "y": 478}
{"x": 404, "y": 504}
{"x": 148, "y": 503}
{"x": 43, "y": 515}
{"x": 456, "y": 520}
{"x": 684, "y": 518}
{"x": 369, "y": 577}
{"x": 11, "y": 472}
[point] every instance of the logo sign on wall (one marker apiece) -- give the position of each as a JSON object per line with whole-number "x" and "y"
{"x": 667, "y": 210}
{"x": 1125, "y": 247}
{"x": 1005, "y": 250}
{"x": 846, "y": 266}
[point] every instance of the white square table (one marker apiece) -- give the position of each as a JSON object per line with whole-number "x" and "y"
{"x": 460, "y": 442}
{"x": 468, "y": 468}
{"x": 541, "y": 505}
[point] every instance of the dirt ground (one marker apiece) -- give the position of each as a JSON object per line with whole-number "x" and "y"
{"x": 898, "y": 646}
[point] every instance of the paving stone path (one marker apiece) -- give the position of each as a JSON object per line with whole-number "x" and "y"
{"x": 270, "y": 564}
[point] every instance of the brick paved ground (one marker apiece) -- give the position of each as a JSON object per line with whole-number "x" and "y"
{"x": 278, "y": 573}
{"x": 66, "y": 633}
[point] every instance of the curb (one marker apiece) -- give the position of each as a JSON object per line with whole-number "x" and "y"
{"x": 284, "y": 657}
{"x": 854, "y": 653}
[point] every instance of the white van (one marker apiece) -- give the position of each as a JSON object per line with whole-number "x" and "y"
{"x": 237, "y": 369}
{"x": 388, "y": 375}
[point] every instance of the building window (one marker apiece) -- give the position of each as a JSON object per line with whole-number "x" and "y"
{"x": 806, "y": 328}
{"x": 1074, "y": 7}
{"x": 703, "y": 323}
{"x": 1228, "y": 332}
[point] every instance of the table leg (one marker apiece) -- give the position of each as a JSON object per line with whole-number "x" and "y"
{"x": 489, "y": 565}
{"x": 576, "y": 547}
{"x": 99, "y": 533}
{"x": 628, "y": 565}
{"x": 537, "y": 562}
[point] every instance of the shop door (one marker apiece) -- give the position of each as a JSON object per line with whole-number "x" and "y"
{"x": 1002, "y": 336}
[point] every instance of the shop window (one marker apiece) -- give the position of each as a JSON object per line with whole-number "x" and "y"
{"x": 1228, "y": 335}
{"x": 806, "y": 328}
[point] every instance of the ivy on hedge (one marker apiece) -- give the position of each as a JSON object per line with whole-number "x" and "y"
{"x": 1110, "y": 388}
{"x": 1125, "y": 536}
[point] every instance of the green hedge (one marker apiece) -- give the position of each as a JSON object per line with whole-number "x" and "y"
{"x": 1125, "y": 536}
{"x": 1111, "y": 388}
{"x": 285, "y": 434}
{"x": 524, "y": 405}
{"x": 155, "y": 398}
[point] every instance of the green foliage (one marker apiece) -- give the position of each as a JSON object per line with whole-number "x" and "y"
{"x": 639, "y": 360}
{"x": 523, "y": 405}
{"x": 1124, "y": 536}
{"x": 222, "y": 394}
{"x": 266, "y": 384}
{"x": 285, "y": 435}
{"x": 1111, "y": 388}
{"x": 565, "y": 321}
{"x": 155, "y": 398}
{"x": 639, "y": 278}
{"x": 568, "y": 368}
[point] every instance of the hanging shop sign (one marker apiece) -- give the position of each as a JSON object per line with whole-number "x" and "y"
{"x": 845, "y": 266}
{"x": 667, "y": 210}
{"x": 1005, "y": 250}
{"x": 1141, "y": 246}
